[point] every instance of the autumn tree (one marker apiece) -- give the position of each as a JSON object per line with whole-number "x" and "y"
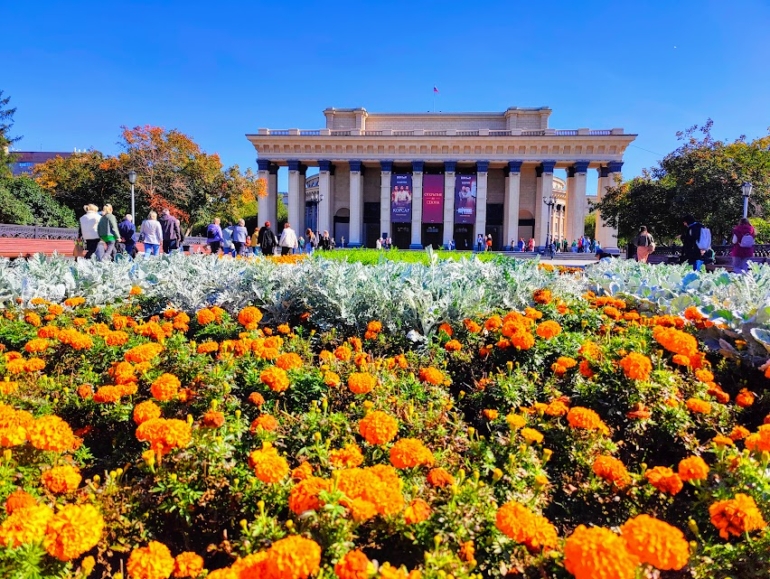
{"x": 702, "y": 177}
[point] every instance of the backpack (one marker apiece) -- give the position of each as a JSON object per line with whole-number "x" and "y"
{"x": 747, "y": 241}
{"x": 704, "y": 241}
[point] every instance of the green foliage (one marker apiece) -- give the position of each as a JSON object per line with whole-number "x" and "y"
{"x": 24, "y": 202}
{"x": 590, "y": 225}
{"x": 762, "y": 227}
{"x": 6, "y": 122}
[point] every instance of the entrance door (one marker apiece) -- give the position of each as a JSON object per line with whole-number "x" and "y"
{"x": 341, "y": 231}
{"x": 496, "y": 231}
{"x": 432, "y": 234}
{"x": 463, "y": 237}
{"x": 402, "y": 235}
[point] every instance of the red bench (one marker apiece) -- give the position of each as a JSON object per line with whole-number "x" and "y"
{"x": 23, "y": 247}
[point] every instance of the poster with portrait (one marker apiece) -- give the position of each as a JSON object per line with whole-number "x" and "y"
{"x": 465, "y": 198}
{"x": 400, "y": 198}
{"x": 433, "y": 198}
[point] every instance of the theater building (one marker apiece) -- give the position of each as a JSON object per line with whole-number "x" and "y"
{"x": 429, "y": 178}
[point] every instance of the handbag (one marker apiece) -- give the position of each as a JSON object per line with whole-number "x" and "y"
{"x": 78, "y": 250}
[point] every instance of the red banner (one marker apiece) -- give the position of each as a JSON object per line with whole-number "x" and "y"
{"x": 433, "y": 199}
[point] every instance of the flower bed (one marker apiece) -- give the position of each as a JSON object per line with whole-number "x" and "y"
{"x": 470, "y": 419}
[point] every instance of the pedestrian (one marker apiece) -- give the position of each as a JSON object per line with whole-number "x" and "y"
{"x": 127, "y": 230}
{"x": 743, "y": 245}
{"x": 89, "y": 229}
{"x": 691, "y": 253}
{"x": 214, "y": 236}
{"x": 489, "y": 242}
{"x": 266, "y": 240}
{"x": 645, "y": 245}
{"x": 151, "y": 233}
{"x": 325, "y": 242}
{"x": 108, "y": 232}
{"x": 240, "y": 233}
{"x": 479, "y": 243}
{"x": 228, "y": 247}
{"x": 288, "y": 241}
{"x": 172, "y": 231}
{"x": 531, "y": 244}
{"x": 310, "y": 241}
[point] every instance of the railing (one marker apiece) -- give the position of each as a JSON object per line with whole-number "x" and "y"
{"x": 280, "y": 132}
{"x": 719, "y": 250}
{"x": 567, "y": 133}
{"x": 35, "y": 232}
{"x": 441, "y": 133}
{"x": 467, "y": 133}
{"x": 310, "y": 133}
{"x": 403, "y": 133}
{"x": 499, "y": 133}
{"x": 532, "y": 133}
{"x": 435, "y": 133}
{"x": 600, "y": 133}
{"x": 372, "y": 133}
{"x": 340, "y": 133}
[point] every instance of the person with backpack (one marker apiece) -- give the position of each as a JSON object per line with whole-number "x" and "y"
{"x": 645, "y": 245}
{"x": 214, "y": 237}
{"x": 743, "y": 245}
{"x": 696, "y": 240}
{"x": 266, "y": 239}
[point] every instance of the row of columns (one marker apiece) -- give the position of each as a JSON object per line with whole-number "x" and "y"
{"x": 575, "y": 212}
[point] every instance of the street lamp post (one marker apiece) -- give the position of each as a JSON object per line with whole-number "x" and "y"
{"x": 746, "y": 191}
{"x": 132, "y": 180}
{"x": 550, "y": 202}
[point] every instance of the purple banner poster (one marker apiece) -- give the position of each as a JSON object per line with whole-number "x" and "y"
{"x": 465, "y": 198}
{"x": 433, "y": 199}
{"x": 401, "y": 198}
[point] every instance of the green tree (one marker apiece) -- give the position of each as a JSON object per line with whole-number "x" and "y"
{"x": 6, "y": 122}
{"x": 590, "y": 225}
{"x": 24, "y": 202}
{"x": 702, "y": 177}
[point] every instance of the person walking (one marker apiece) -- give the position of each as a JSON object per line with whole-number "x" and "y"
{"x": 240, "y": 233}
{"x": 172, "y": 232}
{"x": 310, "y": 241}
{"x": 151, "y": 233}
{"x": 214, "y": 237}
{"x": 127, "y": 229}
{"x": 89, "y": 229}
{"x": 108, "y": 232}
{"x": 266, "y": 240}
{"x": 645, "y": 245}
{"x": 743, "y": 245}
{"x": 691, "y": 253}
{"x": 288, "y": 241}
{"x": 325, "y": 242}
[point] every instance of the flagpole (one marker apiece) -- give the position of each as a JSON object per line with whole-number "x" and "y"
{"x": 434, "y": 98}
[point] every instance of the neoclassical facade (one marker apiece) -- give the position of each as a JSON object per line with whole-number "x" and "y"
{"x": 429, "y": 178}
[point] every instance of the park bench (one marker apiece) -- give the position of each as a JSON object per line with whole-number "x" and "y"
{"x": 13, "y": 247}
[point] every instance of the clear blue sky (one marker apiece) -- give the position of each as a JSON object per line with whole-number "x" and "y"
{"x": 79, "y": 70}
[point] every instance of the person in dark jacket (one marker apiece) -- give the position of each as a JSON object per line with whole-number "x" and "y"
{"x": 325, "y": 242}
{"x": 691, "y": 253}
{"x": 266, "y": 239}
{"x": 172, "y": 232}
{"x": 214, "y": 236}
{"x": 127, "y": 229}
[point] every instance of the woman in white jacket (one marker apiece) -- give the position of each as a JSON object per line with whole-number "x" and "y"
{"x": 89, "y": 231}
{"x": 152, "y": 234}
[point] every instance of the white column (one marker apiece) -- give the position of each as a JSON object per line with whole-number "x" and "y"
{"x": 482, "y": 168}
{"x": 325, "y": 196}
{"x": 267, "y": 207}
{"x": 544, "y": 189}
{"x": 449, "y": 201}
{"x": 356, "y": 203}
{"x": 296, "y": 193}
{"x": 417, "y": 172}
{"x": 301, "y": 224}
{"x": 571, "y": 204}
{"x": 607, "y": 236}
{"x": 511, "y": 203}
{"x": 385, "y": 189}
{"x": 577, "y": 216}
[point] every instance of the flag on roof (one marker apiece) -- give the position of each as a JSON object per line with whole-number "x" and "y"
{"x": 435, "y": 89}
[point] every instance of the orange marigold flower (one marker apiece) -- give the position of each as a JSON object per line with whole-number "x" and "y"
{"x": 439, "y": 478}
{"x": 343, "y": 353}
{"x": 675, "y": 341}
{"x": 378, "y": 427}
{"x": 656, "y": 543}
{"x": 548, "y": 330}
{"x": 612, "y": 470}
{"x": 721, "y": 441}
{"x": 409, "y": 453}
{"x": 256, "y": 399}
{"x": 61, "y": 479}
{"x": 493, "y": 323}
{"x": 760, "y": 440}
{"x": 557, "y": 407}
{"x": 302, "y": 472}
{"x": 586, "y": 419}
{"x": 205, "y": 317}
{"x": 590, "y": 351}
{"x": 596, "y": 552}
{"x": 249, "y": 317}
{"x": 736, "y": 516}
{"x": 32, "y": 319}
{"x": 416, "y": 512}
{"x": 433, "y": 376}
{"x": 348, "y": 457}
{"x": 164, "y": 435}
{"x": 331, "y": 379}
{"x": 693, "y": 468}
{"x": 37, "y": 345}
{"x": 268, "y": 465}
{"x": 467, "y": 552}
{"x": 75, "y": 339}
{"x": 745, "y": 398}
{"x": 25, "y": 525}
{"x": 107, "y": 395}
{"x": 135, "y": 291}
{"x": 361, "y": 382}
{"x": 145, "y": 411}
{"x": 354, "y": 565}
{"x": 264, "y": 422}
{"x": 275, "y": 378}
{"x": 698, "y": 406}
{"x": 739, "y": 433}
{"x": 453, "y": 346}
{"x": 304, "y": 495}
{"x": 542, "y": 296}
{"x": 213, "y": 419}
{"x": 116, "y": 338}
{"x": 636, "y": 366}
{"x": 19, "y": 499}
{"x": 664, "y": 479}
{"x": 289, "y": 361}
{"x": 471, "y": 326}
{"x": 8, "y": 387}
{"x": 375, "y": 326}
{"x": 51, "y": 433}
{"x": 74, "y": 302}
{"x": 284, "y": 329}
{"x": 490, "y": 413}
{"x": 525, "y": 527}
{"x": 72, "y": 531}
{"x": 188, "y": 564}
{"x": 293, "y": 557}
{"x": 143, "y": 353}
{"x": 165, "y": 387}
{"x": 151, "y": 562}
{"x": 585, "y": 369}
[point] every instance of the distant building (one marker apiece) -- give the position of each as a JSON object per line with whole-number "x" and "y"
{"x": 26, "y": 160}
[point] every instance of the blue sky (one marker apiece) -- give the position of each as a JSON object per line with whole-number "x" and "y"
{"x": 79, "y": 70}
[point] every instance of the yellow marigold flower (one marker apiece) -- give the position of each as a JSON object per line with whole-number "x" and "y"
{"x": 736, "y": 516}
{"x": 515, "y": 421}
{"x": 693, "y": 468}
{"x": 409, "y": 453}
{"x": 664, "y": 479}
{"x": 145, "y": 411}
{"x": 348, "y": 457}
{"x": 51, "y": 433}
{"x": 74, "y": 302}
{"x": 264, "y": 422}
{"x": 289, "y": 361}
{"x": 72, "y": 531}
{"x": 151, "y": 562}
{"x": 25, "y": 525}
{"x": 590, "y": 351}
{"x": 525, "y": 527}
{"x": 548, "y": 330}
{"x": 656, "y": 543}
{"x": 636, "y": 366}
{"x": 361, "y": 382}
{"x": 249, "y": 317}
{"x": 490, "y": 413}
{"x": 598, "y": 553}
{"x": 378, "y": 427}
{"x": 304, "y": 495}
{"x": 354, "y": 565}
{"x": 268, "y": 465}
{"x": 612, "y": 470}
{"x": 275, "y": 378}
{"x": 433, "y": 376}
{"x": 531, "y": 435}
{"x": 61, "y": 479}
{"x": 165, "y": 387}
{"x": 143, "y": 353}
{"x": 188, "y": 564}
{"x": 586, "y": 419}
{"x": 439, "y": 478}
{"x": 19, "y": 499}
{"x": 416, "y": 512}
